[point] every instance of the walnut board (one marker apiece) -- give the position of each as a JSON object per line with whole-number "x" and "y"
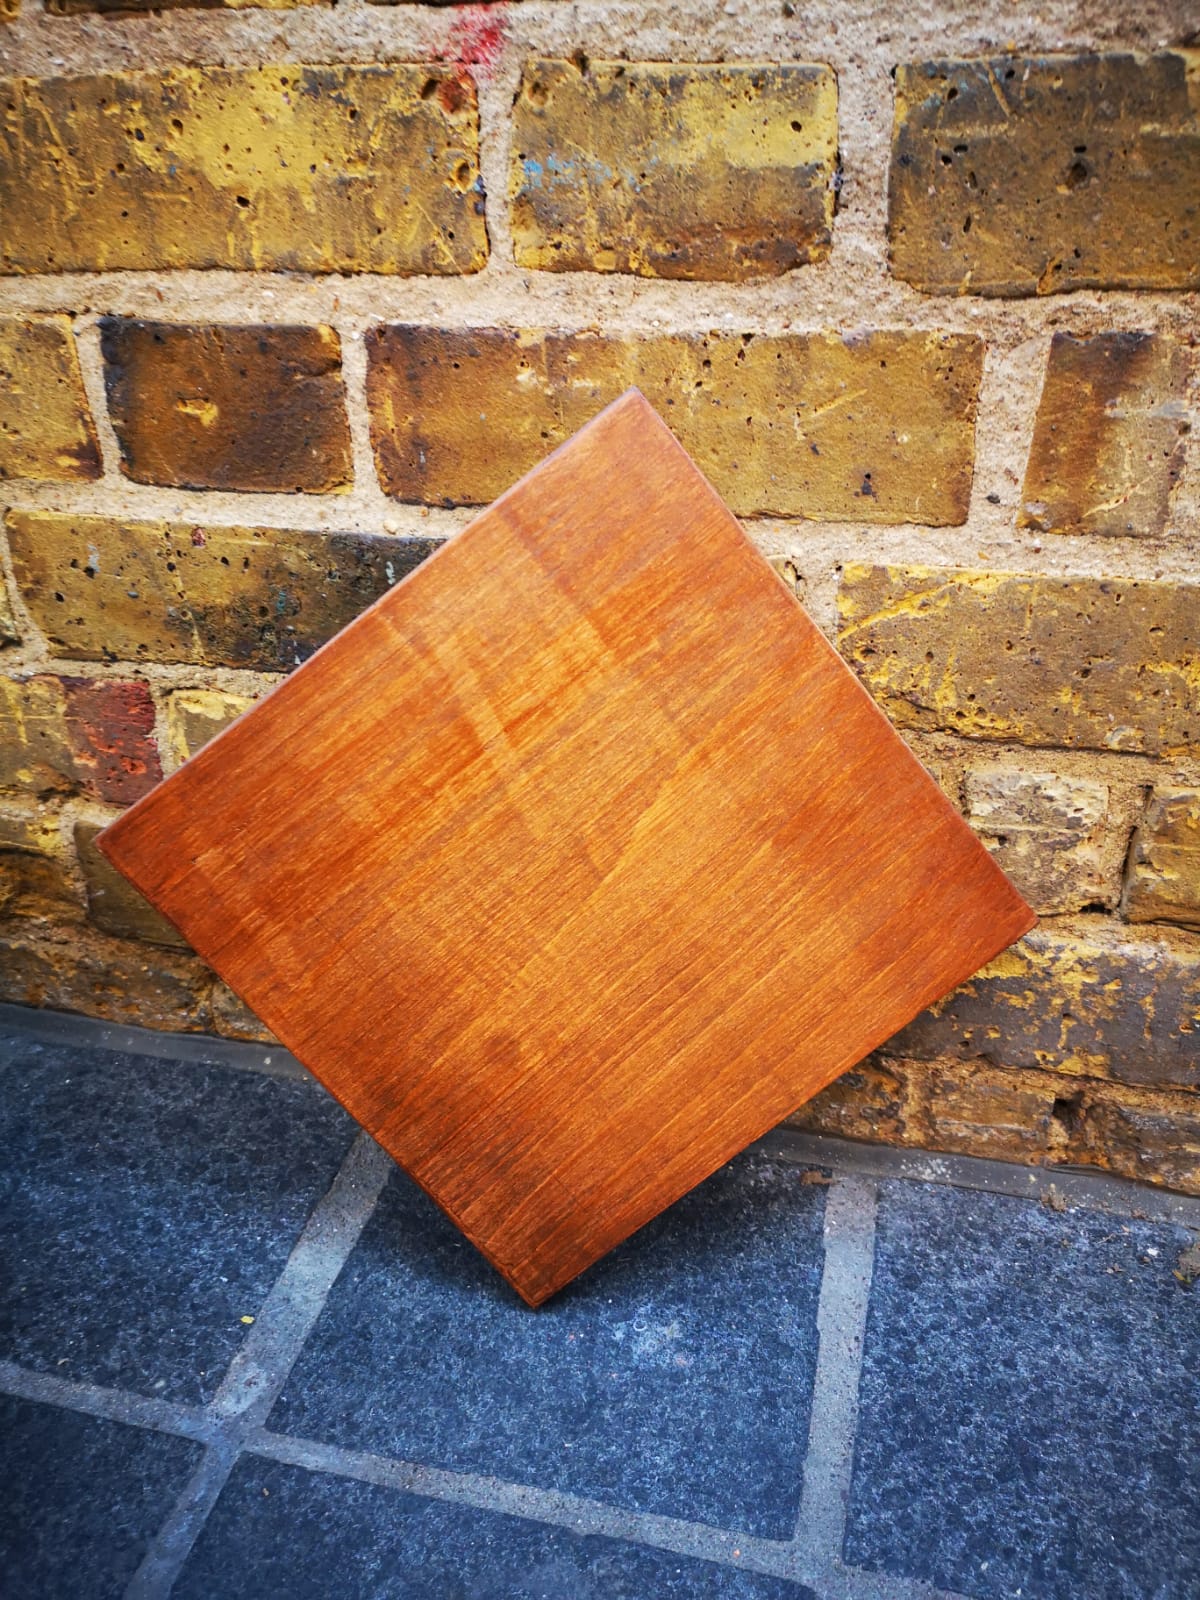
{"x": 576, "y": 862}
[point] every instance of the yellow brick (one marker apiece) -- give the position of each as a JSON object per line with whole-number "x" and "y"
{"x": 673, "y": 171}
{"x": 194, "y": 716}
{"x": 282, "y": 168}
{"x": 35, "y": 876}
{"x": 46, "y": 428}
{"x": 202, "y": 406}
{"x": 1109, "y": 437}
{"x": 114, "y": 905}
{"x": 871, "y": 427}
{"x": 73, "y": 8}
{"x": 118, "y": 979}
{"x": 105, "y": 588}
{"x": 1028, "y": 175}
{"x": 1164, "y": 864}
{"x": 1098, "y": 663}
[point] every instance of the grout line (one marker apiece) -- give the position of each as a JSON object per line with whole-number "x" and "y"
{"x": 841, "y": 1329}
{"x": 555, "y": 1507}
{"x": 173, "y": 1542}
{"x": 260, "y": 1369}
{"x": 114, "y": 1405}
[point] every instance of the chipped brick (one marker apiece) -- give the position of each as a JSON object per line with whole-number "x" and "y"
{"x": 285, "y": 168}
{"x": 1108, "y": 440}
{"x": 35, "y": 877}
{"x": 100, "y": 976}
{"x": 111, "y": 728}
{"x": 1163, "y": 884}
{"x": 201, "y": 407}
{"x": 194, "y": 716}
{"x": 1031, "y": 175}
{"x": 1099, "y": 1002}
{"x": 877, "y": 427}
{"x": 700, "y": 172}
{"x": 1099, "y": 663}
{"x": 46, "y": 429}
{"x": 1050, "y": 833}
{"x": 107, "y": 589}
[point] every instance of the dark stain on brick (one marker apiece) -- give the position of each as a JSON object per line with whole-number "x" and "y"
{"x": 255, "y": 408}
{"x": 111, "y": 727}
{"x": 1034, "y": 175}
{"x": 1109, "y": 438}
{"x": 238, "y": 597}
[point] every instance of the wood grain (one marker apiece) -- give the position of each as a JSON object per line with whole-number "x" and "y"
{"x": 576, "y": 862}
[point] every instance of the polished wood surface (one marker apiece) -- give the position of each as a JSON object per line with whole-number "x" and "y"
{"x": 576, "y": 862}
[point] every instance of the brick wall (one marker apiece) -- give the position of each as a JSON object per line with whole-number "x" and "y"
{"x": 287, "y": 291}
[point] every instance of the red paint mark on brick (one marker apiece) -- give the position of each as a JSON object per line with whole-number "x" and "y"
{"x": 477, "y": 37}
{"x": 111, "y": 728}
{"x": 197, "y": 536}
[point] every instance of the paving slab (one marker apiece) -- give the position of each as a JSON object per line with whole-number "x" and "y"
{"x": 675, "y": 1377}
{"x": 1028, "y": 1421}
{"x": 146, "y": 1208}
{"x": 81, "y": 1500}
{"x": 281, "y": 1530}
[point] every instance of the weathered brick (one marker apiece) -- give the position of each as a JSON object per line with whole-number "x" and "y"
{"x": 35, "y": 876}
{"x": 1050, "y": 833}
{"x": 1100, "y": 663}
{"x": 1040, "y": 1118}
{"x": 10, "y": 10}
{"x": 194, "y": 716}
{"x": 107, "y": 589}
{"x": 1102, "y": 1003}
{"x": 46, "y": 429}
{"x": 1108, "y": 440}
{"x": 872, "y": 427}
{"x": 700, "y": 172}
{"x": 1030, "y": 175}
{"x": 74, "y": 8}
{"x": 278, "y": 168}
{"x": 1163, "y": 884}
{"x": 113, "y": 904}
{"x": 117, "y": 979}
{"x": 63, "y": 734}
{"x": 199, "y": 407}
{"x": 9, "y": 632}
{"x": 235, "y": 1020}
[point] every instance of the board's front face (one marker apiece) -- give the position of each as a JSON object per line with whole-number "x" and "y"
{"x": 576, "y": 862}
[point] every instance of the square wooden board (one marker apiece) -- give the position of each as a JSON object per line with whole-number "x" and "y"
{"x": 576, "y": 862}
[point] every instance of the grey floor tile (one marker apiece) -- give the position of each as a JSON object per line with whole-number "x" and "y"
{"x": 674, "y": 1377}
{"x": 80, "y": 1500}
{"x": 1029, "y": 1422}
{"x": 146, "y": 1207}
{"x": 280, "y": 1530}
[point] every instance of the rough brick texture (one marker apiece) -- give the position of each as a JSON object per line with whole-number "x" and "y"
{"x": 1052, "y": 834}
{"x": 255, "y": 408}
{"x": 102, "y": 589}
{"x": 1108, "y": 442}
{"x": 991, "y": 499}
{"x": 673, "y": 172}
{"x": 46, "y": 428}
{"x": 1022, "y": 176}
{"x": 118, "y": 979}
{"x": 874, "y": 427}
{"x": 72, "y": 8}
{"x": 95, "y": 737}
{"x": 113, "y": 904}
{"x": 35, "y": 876}
{"x": 1103, "y": 664}
{"x": 1084, "y": 1000}
{"x": 974, "y": 1108}
{"x": 287, "y": 168}
{"x": 194, "y": 716}
{"x": 1164, "y": 864}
